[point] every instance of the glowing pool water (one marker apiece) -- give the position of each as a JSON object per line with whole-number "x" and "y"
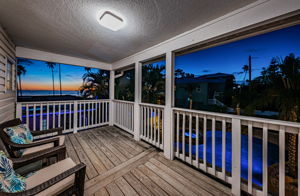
{"x": 273, "y": 151}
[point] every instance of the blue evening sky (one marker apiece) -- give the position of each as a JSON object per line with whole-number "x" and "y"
{"x": 230, "y": 58}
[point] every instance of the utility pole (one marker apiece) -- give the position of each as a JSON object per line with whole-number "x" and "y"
{"x": 250, "y": 68}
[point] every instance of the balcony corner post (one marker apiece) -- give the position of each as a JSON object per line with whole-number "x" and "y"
{"x": 137, "y": 100}
{"x": 111, "y": 97}
{"x": 236, "y": 157}
{"x": 75, "y": 127}
{"x": 168, "y": 112}
{"x": 19, "y": 110}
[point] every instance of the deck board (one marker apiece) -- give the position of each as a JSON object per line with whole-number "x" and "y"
{"x": 119, "y": 165}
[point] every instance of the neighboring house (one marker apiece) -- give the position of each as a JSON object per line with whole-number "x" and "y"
{"x": 206, "y": 90}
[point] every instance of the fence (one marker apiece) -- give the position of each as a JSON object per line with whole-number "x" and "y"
{"x": 123, "y": 115}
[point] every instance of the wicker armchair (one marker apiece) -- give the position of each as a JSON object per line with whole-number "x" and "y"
{"x": 50, "y": 146}
{"x": 61, "y": 178}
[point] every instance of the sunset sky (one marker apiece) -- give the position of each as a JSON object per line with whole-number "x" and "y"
{"x": 39, "y": 77}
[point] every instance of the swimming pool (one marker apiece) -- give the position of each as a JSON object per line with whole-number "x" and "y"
{"x": 273, "y": 157}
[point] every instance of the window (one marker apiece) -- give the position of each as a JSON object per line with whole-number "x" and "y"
{"x": 124, "y": 85}
{"x": 257, "y": 76}
{"x": 42, "y": 80}
{"x": 9, "y": 76}
{"x": 153, "y": 81}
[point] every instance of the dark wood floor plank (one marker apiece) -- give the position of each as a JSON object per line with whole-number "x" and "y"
{"x": 124, "y": 144}
{"x": 101, "y": 156}
{"x": 201, "y": 183}
{"x": 159, "y": 181}
{"x": 90, "y": 170}
{"x": 125, "y": 187}
{"x": 128, "y": 140}
{"x": 114, "y": 190}
{"x": 137, "y": 185}
{"x": 174, "y": 182}
{"x": 190, "y": 185}
{"x": 97, "y": 163}
{"x": 106, "y": 141}
{"x": 102, "y": 192}
{"x": 100, "y": 181}
{"x": 154, "y": 188}
{"x": 116, "y": 143}
{"x": 110, "y": 155}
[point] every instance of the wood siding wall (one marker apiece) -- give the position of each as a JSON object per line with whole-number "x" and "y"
{"x": 7, "y": 97}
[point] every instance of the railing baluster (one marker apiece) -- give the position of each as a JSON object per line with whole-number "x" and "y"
{"x": 190, "y": 138}
{"x": 177, "y": 133}
{"x": 53, "y": 115}
{"x": 84, "y": 114}
{"x": 70, "y": 115}
{"x": 265, "y": 159}
{"x": 148, "y": 125}
{"x": 213, "y": 145}
{"x": 204, "y": 141}
{"x": 65, "y": 116}
{"x": 282, "y": 161}
{"x": 27, "y": 115}
{"x": 34, "y": 117}
{"x": 48, "y": 122}
{"x": 183, "y": 136}
{"x": 223, "y": 148}
{"x": 250, "y": 155}
{"x": 89, "y": 114}
{"x": 197, "y": 140}
{"x": 41, "y": 116}
{"x": 59, "y": 117}
{"x": 155, "y": 131}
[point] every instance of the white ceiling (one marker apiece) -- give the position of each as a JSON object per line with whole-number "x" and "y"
{"x": 70, "y": 27}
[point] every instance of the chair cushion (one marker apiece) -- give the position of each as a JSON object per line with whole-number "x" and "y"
{"x": 45, "y": 146}
{"x": 19, "y": 134}
{"x": 47, "y": 173}
{"x": 10, "y": 181}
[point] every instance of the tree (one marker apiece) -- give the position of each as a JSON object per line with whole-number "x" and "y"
{"x": 51, "y": 66}
{"x": 124, "y": 86}
{"x": 153, "y": 84}
{"x": 21, "y": 70}
{"x": 277, "y": 89}
{"x": 95, "y": 85}
{"x": 59, "y": 80}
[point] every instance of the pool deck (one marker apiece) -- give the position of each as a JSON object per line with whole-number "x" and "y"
{"x": 118, "y": 165}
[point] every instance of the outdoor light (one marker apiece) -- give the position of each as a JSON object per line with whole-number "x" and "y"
{"x": 111, "y": 21}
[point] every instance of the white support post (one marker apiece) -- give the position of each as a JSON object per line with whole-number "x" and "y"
{"x": 137, "y": 100}
{"x": 75, "y": 120}
{"x": 168, "y": 114}
{"x": 111, "y": 97}
{"x": 236, "y": 157}
{"x": 19, "y": 110}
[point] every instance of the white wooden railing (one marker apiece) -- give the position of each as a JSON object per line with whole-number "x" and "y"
{"x": 152, "y": 124}
{"x": 123, "y": 115}
{"x": 71, "y": 115}
{"x": 211, "y": 133}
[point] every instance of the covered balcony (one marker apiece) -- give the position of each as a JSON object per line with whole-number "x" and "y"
{"x": 177, "y": 97}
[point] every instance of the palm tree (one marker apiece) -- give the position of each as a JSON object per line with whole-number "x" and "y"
{"x": 21, "y": 70}
{"x": 51, "y": 66}
{"x": 59, "y": 79}
{"x": 95, "y": 84}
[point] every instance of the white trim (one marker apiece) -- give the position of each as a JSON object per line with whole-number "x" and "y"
{"x": 59, "y": 58}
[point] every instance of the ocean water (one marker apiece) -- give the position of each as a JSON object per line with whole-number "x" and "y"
{"x": 44, "y": 92}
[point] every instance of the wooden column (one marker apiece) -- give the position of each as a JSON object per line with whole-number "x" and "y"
{"x": 111, "y": 97}
{"x": 137, "y": 100}
{"x": 168, "y": 114}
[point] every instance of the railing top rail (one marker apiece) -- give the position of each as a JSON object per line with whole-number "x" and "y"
{"x": 246, "y": 118}
{"x": 64, "y": 101}
{"x": 152, "y": 105}
{"x": 123, "y": 101}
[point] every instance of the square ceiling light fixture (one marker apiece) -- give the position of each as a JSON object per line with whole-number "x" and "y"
{"x": 111, "y": 21}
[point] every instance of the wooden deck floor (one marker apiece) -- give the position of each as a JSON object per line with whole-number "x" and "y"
{"x": 118, "y": 165}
